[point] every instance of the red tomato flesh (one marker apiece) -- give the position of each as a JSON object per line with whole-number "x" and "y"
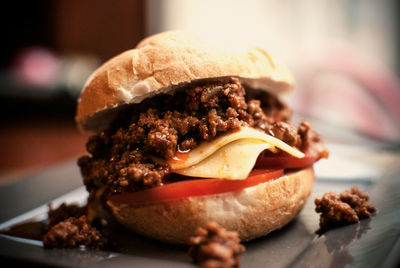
{"x": 278, "y": 162}
{"x": 197, "y": 187}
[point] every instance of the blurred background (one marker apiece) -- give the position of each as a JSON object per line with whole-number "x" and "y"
{"x": 344, "y": 55}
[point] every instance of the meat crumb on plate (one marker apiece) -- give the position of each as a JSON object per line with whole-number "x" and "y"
{"x": 214, "y": 246}
{"x": 74, "y": 232}
{"x": 347, "y": 207}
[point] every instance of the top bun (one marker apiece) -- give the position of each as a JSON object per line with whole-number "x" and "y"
{"x": 164, "y": 62}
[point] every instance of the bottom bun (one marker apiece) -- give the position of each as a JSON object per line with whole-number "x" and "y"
{"x": 252, "y": 212}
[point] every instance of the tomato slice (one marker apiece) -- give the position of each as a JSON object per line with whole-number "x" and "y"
{"x": 196, "y": 187}
{"x": 282, "y": 162}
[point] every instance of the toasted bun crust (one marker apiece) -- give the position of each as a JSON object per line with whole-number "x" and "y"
{"x": 163, "y": 62}
{"x": 252, "y": 212}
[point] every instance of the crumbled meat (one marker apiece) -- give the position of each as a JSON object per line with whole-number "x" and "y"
{"x": 162, "y": 139}
{"x": 345, "y": 208}
{"x": 64, "y": 212}
{"x": 287, "y": 133}
{"x": 187, "y": 144}
{"x": 122, "y": 157}
{"x": 271, "y": 107}
{"x": 214, "y": 246}
{"x": 311, "y": 141}
{"x": 147, "y": 173}
{"x": 73, "y": 232}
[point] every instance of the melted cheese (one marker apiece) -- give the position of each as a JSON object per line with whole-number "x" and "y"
{"x": 208, "y": 148}
{"x": 233, "y": 161}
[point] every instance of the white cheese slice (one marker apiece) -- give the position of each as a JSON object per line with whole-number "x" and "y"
{"x": 206, "y": 149}
{"x": 233, "y": 161}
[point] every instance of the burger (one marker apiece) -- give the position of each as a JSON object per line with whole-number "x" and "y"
{"x": 185, "y": 132}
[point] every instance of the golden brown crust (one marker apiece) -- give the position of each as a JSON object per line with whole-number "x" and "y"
{"x": 252, "y": 212}
{"x": 164, "y": 62}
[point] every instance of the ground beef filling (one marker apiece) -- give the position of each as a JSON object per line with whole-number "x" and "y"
{"x": 73, "y": 232}
{"x": 345, "y": 208}
{"x": 63, "y": 212}
{"x": 214, "y": 246}
{"x": 120, "y": 156}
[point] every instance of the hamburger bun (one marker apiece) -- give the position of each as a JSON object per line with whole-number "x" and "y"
{"x": 252, "y": 212}
{"x": 164, "y": 62}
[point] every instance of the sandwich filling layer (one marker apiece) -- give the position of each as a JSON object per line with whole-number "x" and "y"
{"x": 137, "y": 151}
